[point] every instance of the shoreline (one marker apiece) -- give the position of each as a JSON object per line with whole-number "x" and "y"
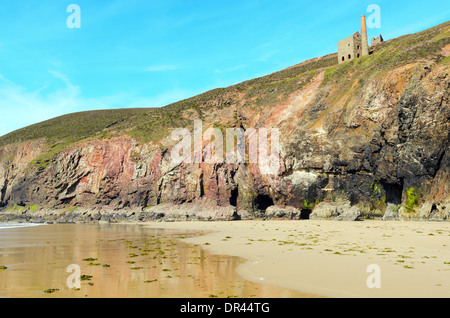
{"x": 200, "y": 212}
{"x": 332, "y": 258}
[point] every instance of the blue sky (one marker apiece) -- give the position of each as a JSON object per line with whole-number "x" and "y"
{"x": 149, "y": 53}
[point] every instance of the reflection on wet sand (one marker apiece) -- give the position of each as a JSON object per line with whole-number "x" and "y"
{"x": 118, "y": 261}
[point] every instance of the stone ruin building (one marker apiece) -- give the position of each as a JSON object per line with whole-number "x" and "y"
{"x": 356, "y": 45}
{"x": 377, "y": 40}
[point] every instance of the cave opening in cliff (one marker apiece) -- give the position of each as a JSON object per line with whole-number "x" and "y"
{"x": 393, "y": 192}
{"x": 434, "y": 209}
{"x": 263, "y": 201}
{"x": 305, "y": 213}
{"x": 234, "y": 196}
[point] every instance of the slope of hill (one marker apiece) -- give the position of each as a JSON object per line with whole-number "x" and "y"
{"x": 368, "y": 137}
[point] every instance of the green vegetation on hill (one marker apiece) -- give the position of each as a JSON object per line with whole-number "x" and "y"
{"x": 152, "y": 124}
{"x": 72, "y": 127}
{"x": 394, "y": 53}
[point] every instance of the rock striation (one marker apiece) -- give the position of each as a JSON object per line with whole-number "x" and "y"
{"x": 364, "y": 139}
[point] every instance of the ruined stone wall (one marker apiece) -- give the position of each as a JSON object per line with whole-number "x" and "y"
{"x": 350, "y": 48}
{"x": 377, "y": 40}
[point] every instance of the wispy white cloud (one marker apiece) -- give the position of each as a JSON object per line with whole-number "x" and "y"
{"x": 419, "y": 25}
{"x": 55, "y": 63}
{"x": 230, "y": 69}
{"x": 267, "y": 55}
{"x": 20, "y": 107}
{"x": 161, "y": 68}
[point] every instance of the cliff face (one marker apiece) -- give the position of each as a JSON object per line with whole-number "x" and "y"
{"x": 370, "y": 137}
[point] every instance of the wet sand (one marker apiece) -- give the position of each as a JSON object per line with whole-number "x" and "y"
{"x": 261, "y": 259}
{"x": 331, "y": 258}
{"x": 120, "y": 261}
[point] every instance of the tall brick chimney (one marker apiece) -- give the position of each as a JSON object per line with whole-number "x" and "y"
{"x": 364, "y": 39}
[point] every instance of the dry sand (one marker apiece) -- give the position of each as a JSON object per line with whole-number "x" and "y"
{"x": 331, "y": 259}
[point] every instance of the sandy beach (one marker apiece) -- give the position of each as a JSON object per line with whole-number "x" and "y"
{"x": 245, "y": 259}
{"x": 333, "y": 259}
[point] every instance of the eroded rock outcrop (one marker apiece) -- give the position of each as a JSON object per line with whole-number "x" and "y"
{"x": 369, "y": 138}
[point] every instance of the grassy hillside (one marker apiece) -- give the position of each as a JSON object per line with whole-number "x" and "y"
{"x": 151, "y": 124}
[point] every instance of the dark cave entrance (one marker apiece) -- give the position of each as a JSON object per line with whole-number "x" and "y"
{"x": 393, "y": 192}
{"x": 434, "y": 209}
{"x": 234, "y": 196}
{"x": 263, "y": 201}
{"x": 305, "y": 213}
